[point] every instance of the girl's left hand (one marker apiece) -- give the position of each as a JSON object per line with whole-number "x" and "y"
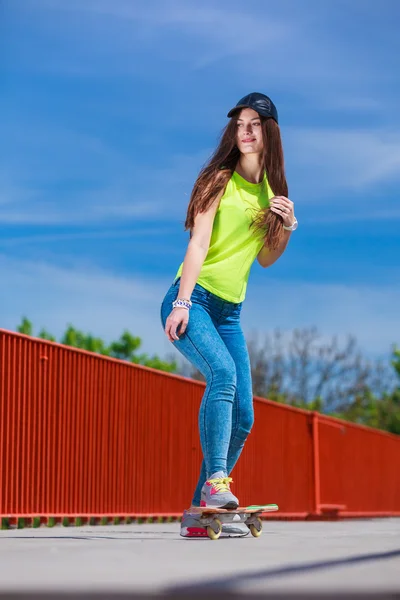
{"x": 284, "y": 207}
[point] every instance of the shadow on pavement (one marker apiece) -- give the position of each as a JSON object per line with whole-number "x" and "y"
{"x": 223, "y": 588}
{"x": 195, "y": 595}
{"x": 229, "y": 582}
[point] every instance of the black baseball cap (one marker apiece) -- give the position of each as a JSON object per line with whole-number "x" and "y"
{"x": 258, "y": 102}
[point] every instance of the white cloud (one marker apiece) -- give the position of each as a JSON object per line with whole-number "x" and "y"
{"x": 366, "y": 311}
{"x": 105, "y": 304}
{"x": 290, "y": 48}
{"x": 223, "y": 29}
{"x": 41, "y": 239}
{"x": 81, "y": 209}
{"x": 333, "y": 159}
{"x": 86, "y": 297}
{"x": 346, "y": 102}
{"x": 41, "y": 167}
{"x": 107, "y": 205}
{"x": 354, "y": 217}
{"x": 54, "y": 176}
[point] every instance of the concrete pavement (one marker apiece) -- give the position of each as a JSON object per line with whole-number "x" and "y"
{"x": 291, "y": 556}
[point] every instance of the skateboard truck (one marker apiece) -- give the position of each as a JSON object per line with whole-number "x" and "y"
{"x": 213, "y": 518}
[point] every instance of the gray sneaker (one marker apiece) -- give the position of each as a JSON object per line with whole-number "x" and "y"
{"x": 216, "y": 492}
{"x": 192, "y": 528}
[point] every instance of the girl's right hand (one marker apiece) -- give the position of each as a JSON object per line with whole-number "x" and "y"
{"x": 178, "y": 316}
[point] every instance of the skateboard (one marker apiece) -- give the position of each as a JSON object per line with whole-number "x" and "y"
{"x": 212, "y": 518}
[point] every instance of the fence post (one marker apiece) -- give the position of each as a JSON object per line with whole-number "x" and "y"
{"x": 316, "y": 465}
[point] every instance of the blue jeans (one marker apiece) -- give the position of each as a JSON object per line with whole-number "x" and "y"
{"x": 214, "y": 343}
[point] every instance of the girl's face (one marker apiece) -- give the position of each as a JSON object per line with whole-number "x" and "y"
{"x": 249, "y": 138}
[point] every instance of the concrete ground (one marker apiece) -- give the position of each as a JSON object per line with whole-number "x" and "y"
{"x": 290, "y": 556}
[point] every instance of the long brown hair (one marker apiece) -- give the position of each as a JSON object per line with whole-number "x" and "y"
{"x": 216, "y": 173}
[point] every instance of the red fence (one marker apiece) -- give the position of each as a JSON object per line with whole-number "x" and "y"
{"x": 86, "y": 435}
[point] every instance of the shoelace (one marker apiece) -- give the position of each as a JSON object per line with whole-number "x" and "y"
{"x": 221, "y": 484}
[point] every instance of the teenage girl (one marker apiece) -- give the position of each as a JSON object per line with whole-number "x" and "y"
{"x": 238, "y": 211}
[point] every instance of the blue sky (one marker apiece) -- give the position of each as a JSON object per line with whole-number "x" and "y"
{"x": 108, "y": 110}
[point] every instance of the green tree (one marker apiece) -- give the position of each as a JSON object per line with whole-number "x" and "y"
{"x": 389, "y": 406}
{"x": 25, "y": 327}
{"x": 126, "y": 348}
{"x": 78, "y": 339}
{"x": 382, "y": 412}
{"x": 396, "y": 361}
{"x": 44, "y": 335}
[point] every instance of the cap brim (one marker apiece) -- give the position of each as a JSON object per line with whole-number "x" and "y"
{"x": 235, "y": 109}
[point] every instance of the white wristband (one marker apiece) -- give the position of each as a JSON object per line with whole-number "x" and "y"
{"x": 182, "y": 303}
{"x": 291, "y": 227}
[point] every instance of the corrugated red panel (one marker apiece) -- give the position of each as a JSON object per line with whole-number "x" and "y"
{"x": 276, "y": 464}
{"x": 85, "y": 434}
{"x": 82, "y": 434}
{"x": 358, "y": 467}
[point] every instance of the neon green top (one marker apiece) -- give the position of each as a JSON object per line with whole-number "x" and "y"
{"x": 234, "y": 245}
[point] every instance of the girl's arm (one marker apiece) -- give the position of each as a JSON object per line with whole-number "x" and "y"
{"x": 284, "y": 207}
{"x": 197, "y": 249}
{"x": 267, "y": 257}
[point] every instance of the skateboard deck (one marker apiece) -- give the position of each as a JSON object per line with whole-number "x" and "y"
{"x": 213, "y": 518}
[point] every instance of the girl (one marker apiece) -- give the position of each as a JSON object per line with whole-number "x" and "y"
{"x": 233, "y": 217}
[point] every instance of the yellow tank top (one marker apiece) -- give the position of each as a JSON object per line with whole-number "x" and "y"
{"x": 234, "y": 245}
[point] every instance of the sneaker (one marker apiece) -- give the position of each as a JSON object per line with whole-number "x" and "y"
{"x": 192, "y": 528}
{"x": 216, "y": 492}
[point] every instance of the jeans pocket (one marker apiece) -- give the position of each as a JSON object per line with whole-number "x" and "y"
{"x": 200, "y": 297}
{"x": 201, "y": 292}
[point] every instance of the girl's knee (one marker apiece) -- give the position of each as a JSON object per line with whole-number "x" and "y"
{"x": 247, "y": 422}
{"x": 242, "y": 431}
{"x": 225, "y": 372}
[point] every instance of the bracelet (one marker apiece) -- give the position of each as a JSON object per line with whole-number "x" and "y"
{"x": 182, "y": 303}
{"x": 291, "y": 227}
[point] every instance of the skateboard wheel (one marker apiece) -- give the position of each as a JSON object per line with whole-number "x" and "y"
{"x": 212, "y": 534}
{"x": 256, "y": 530}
